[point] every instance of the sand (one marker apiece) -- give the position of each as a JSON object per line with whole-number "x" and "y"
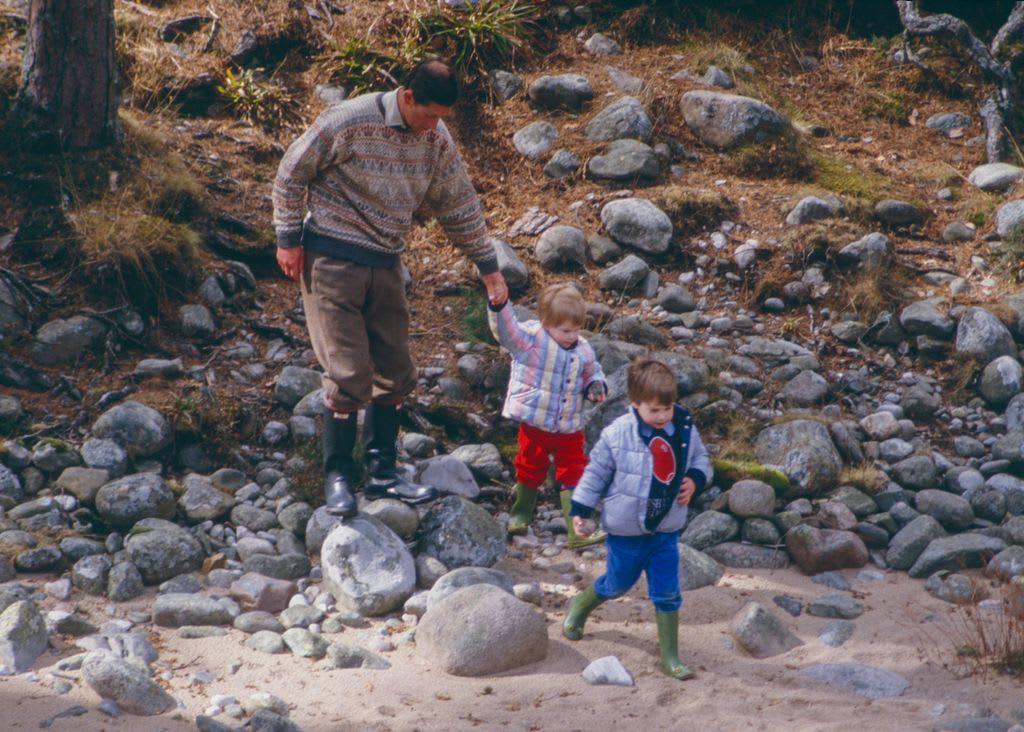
{"x": 903, "y": 629}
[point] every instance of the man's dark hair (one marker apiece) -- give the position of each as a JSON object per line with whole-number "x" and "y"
{"x": 433, "y": 82}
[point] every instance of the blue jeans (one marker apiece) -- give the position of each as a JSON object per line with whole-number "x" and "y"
{"x": 628, "y": 556}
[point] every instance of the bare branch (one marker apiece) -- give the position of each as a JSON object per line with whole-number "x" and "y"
{"x": 944, "y": 24}
{"x": 1013, "y": 25}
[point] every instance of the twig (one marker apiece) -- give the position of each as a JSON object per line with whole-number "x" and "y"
{"x": 926, "y": 251}
{"x": 213, "y": 30}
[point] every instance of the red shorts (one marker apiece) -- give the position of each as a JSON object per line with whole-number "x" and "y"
{"x": 538, "y": 448}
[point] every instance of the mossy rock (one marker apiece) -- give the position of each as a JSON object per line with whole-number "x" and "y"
{"x": 728, "y": 472}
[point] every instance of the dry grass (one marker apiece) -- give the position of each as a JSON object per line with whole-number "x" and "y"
{"x": 864, "y": 477}
{"x": 870, "y": 291}
{"x": 788, "y": 157}
{"x": 982, "y": 641}
{"x": 695, "y": 210}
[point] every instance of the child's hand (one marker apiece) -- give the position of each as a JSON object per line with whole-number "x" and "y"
{"x": 596, "y": 392}
{"x": 686, "y": 491}
{"x": 581, "y": 526}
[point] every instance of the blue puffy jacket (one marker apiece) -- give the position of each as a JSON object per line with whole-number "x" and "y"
{"x": 619, "y": 472}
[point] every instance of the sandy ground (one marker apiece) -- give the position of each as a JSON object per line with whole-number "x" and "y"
{"x": 903, "y": 629}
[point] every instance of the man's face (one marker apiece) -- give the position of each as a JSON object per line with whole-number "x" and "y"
{"x": 421, "y": 117}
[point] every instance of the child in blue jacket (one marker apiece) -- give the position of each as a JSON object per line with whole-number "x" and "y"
{"x": 647, "y": 466}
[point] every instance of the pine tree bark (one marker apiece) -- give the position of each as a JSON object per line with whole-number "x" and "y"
{"x": 69, "y": 72}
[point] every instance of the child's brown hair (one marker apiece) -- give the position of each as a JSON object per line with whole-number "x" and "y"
{"x": 560, "y": 304}
{"x": 651, "y": 381}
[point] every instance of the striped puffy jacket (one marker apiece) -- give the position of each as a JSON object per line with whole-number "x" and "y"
{"x": 548, "y": 383}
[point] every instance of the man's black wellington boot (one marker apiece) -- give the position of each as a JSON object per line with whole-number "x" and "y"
{"x": 380, "y": 431}
{"x": 339, "y": 467}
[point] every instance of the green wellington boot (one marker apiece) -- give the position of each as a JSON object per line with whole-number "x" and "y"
{"x": 576, "y": 541}
{"x": 577, "y": 612}
{"x": 668, "y": 642}
{"x": 521, "y": 513}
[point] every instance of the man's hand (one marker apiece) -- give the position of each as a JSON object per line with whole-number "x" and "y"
{"x": 290, "y": 261}
{"x": 497, "y": 290}
{"x": 686, "y": 491}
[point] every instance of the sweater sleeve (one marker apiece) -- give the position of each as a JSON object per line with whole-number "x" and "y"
{"x": 314, "y": 151}
{"x": 453, "y": 200}
{"x": 507, "y": 330}
{"x": 592, "y": 371}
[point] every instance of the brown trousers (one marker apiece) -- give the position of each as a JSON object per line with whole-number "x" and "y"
{"x": 358, "y": 321}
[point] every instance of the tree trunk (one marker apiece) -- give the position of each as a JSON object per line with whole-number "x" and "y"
{"x": 69, "y": 72}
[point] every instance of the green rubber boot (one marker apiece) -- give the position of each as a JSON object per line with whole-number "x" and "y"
{"x": 577, "y": 612}
{"x": 575, "y": 541}
{"x": 668, "y": 642}
{"x": 521, "y": 513}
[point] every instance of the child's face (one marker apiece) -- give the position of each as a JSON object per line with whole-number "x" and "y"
{"x": 654, "y": 414}
{"x": 565, "y": 334}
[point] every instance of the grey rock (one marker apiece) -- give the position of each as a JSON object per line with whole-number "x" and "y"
{"x": 804, "y": 450}
{"x": 748, "y": 556}
{"x": 709, "y": 528}
{"x": 607, "y": 670}
{"x": 638, "y": 223}
{"x": 161, "y": 550}
{"x": 90, "y": 574}
{"x": 459, "y": 635}
{"x": 697, "y": 569}
{"x": 898, "y": 213}
{"x": 625, "y": 160}
{"x": 715, "y": 76}
{"x": 956, "y": 552}
{"x": 813, "y": 208}
{"x": 726, "y": 121}
{"x": 601, "y": 45}
{"x": 124, "y": 582}
{"x": 870, "y": 682}
{"x": 822, "y": 550}
{"x": 123, "y": 502}
{"x": 566, "y": 91}
{"x": 464, "y": 577}
{"x": 925, "y": 318}
{"x": 397, "y": 516}
{"x": 995, "y": 177}
{"x": 562, "y": 164}
{"x": 1001, "y": 380}
{"x": 751, "y": 498}
{"x": 836, "y": 633}
{"x": 760, "y": 633}
{"x": 623, "y": 118}
{"x": 952, "y": 511}
{"x": 535, "y": 139}
{"x": 947, "y": 121}
{"x": 625, "y": 275}
{"x": 835, "y": 605}
{"x": 125, "y": 684}
{"x": 916, "y": 472}
{"x": 806, "y": 389}
{"x": 22, "y": 636}
{"x": 504, "y": 84}
{"x": 304, "y": 643}
{"x": 1010, "y": 218}
{"x": 139, "y": 429}
{"x": 196, "y": 321}
{"x": 516, "y": 274}
{"x": 981, "y": 334}
{"x": 910, "y": 541}
{"x": 66, "y": 341}
{"x": 872, "y": 250}
{"x": 294, "y": 383}
{"x": 173, "y": 610}
{"x": 460, "y": 533}
{"x": 450, "y": 476}
{"x": 340, "y": 655}
{"x": 561, "y": 246}
{"x": 367, "y": 567}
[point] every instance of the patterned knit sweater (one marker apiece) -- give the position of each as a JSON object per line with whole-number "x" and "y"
{"x": 362, "y": 174}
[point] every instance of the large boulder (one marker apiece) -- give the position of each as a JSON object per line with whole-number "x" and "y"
{"x": 161, "y": 550}
{"x": 625, "y": 117}
{"x": 638, "y": 223}
{"x": 981, "y": 334}
{"x": 760, "y": 633}
{"x": 367, "y": 567}
{"x": 565, "y": 91}
{"x": 65, "y": 341}
{"x": 139, "y": 429}
{"x": 22, "y": 636}
{"x": 804, "y": 450}
{"x": 824, "y": 550}
{"x": 126, "y": 684}
{"x": 123, "y": 502}
{"x": 481, "y": 630}
{"x": 956, "y": 552}
{"x": 727, "y": 121}
{"x": 461, "y": 534}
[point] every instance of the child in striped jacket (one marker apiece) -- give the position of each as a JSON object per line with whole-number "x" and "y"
{"x": 553, "y": 370}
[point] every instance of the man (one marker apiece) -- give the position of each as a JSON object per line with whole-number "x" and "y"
{"x": 362, "y": 170}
